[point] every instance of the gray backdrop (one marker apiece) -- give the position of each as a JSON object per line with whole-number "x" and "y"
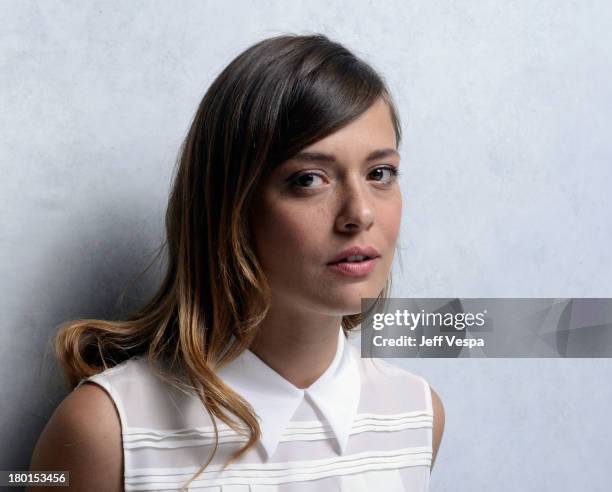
{"x": 506, "y": 110}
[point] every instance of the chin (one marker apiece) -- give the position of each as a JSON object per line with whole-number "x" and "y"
{"x": 348, "y": 306}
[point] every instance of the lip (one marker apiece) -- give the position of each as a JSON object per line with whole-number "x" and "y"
{"x": 354, "y": 269}
{"x": 370, "y": 251}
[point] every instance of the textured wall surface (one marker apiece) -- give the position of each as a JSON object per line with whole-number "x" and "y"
{"x": 507, "y": 157}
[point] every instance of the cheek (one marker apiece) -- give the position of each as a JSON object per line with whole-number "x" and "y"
{"x": 290, "y": 234}
{"x": 390, "y": 217}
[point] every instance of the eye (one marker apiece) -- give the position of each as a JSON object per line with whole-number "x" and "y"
{"x": 393, "y": 173}
{"x": 303, "y": 180}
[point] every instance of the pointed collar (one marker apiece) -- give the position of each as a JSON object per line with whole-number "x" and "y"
{"x": 335, "y": 393}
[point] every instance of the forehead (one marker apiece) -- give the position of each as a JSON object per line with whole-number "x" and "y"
{"x": 372, "y": 131}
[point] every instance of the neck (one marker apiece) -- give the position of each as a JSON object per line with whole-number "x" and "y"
{"x": 299, "y": 348}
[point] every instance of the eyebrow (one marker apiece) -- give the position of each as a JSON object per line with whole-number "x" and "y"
{"x": 323, "y": 157}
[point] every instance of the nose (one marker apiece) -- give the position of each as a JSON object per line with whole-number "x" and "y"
{"x": 356, "y": 210}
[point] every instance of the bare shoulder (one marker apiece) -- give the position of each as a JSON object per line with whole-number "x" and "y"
{"x": 83, "y": 436}
{"x": 438, "y": 423}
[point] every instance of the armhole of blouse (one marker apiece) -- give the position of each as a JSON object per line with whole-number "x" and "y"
{"x": 429, "y": 409}
{"x": 428, "y": 396}
{"x": 105, "y": 383}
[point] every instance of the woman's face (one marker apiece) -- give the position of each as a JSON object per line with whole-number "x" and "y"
{"x": 310, "y": 209}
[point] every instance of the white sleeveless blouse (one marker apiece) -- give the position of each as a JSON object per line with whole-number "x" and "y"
{"x": 363, "y": 425}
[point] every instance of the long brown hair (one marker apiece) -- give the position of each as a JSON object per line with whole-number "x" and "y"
{"x": 274, "y": 99}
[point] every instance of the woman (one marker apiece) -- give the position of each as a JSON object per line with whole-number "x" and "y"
{"x": 284, "y": 213}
